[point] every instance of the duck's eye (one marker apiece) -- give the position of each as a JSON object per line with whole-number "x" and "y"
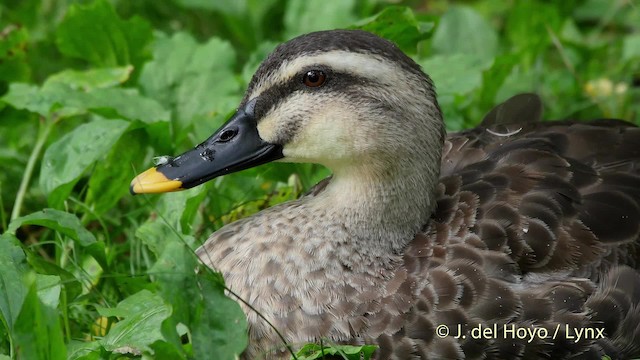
{"x": 314, "y": 78}
{"x": 227, "y": 135}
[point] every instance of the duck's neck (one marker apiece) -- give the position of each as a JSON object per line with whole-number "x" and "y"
{"x": 380, "y": 211}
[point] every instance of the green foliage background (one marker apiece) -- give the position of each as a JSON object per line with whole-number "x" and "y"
{"x": 91, "y": 91}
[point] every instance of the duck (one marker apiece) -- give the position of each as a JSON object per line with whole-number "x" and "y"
{"x": 517, "y": 239}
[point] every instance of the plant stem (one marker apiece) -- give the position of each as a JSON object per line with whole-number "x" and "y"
{"x": 43, "y": 134}
{"x": 65, "y": 314}
{"x": 3, "y": 216}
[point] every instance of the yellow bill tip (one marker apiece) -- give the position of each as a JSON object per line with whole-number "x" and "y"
{"x": 153, "y": 182}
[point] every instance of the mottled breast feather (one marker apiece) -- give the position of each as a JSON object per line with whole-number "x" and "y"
{"x": 536, "y": 228}
{"x": 535, "y": 232}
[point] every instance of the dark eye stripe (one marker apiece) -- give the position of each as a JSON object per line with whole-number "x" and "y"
{"x": 334, "y": 81}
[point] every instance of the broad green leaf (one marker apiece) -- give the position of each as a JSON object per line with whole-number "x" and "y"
{"x": 302, "y": 16}
{"x": 463, "y": 31}
{"x": 83, "y": 350}
{"x": 601, "y": 13}
{"x": 244, "y": 20}
{"x": 37, "y": 332}
{"x": 48, "y": 289}
{"x": 12, "y": 269}
{"x": 532, "y": 17}
{"x": 631, "y": 47}
{"x": 174, "y": 272}
{"x": 456, "y": 74}
{"x": 110, "y": 178}
{"x": 69, "y": 157}
{"x": 399, "y": 25}
{"x": 30, "y": 97}
{"x": 93, "y": 78}
{"x": 155, "y": 234}
{"x": 219, "y": 326}
{"x": 13, "y": 57}
{"x": 227, "y": 7}
{"x": 119, "y": 102}
{"x": 571, "y": 34}
{"x": 142, "y": 315}
{"x": 71, "y": 285}
{"x": 64, "y": 223}
{"x": 168, "y": 351}
{"x": 455, "y": 91}
{"x": 517, "y": 81}
{"x": 60, "y": 221}
{"x": 96, "y": 34}
{"x": 175, "y": 214}
{"x": 190, "y": 78}
{"x": 62, "y": 100}
{"x": 495, "y": 76}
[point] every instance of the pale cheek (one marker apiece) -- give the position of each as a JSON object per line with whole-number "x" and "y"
{"x": 267, "y": 128}
{"x": 325, "y": 139}
{"x": 276, "y": 124}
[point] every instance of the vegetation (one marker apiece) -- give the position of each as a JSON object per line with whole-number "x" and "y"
{"x": 91, "y": 91}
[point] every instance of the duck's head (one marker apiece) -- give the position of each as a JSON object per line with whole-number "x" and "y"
{"x": 345, "y": 99}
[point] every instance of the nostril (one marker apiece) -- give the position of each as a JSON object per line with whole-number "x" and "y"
{"x": 208, "y": 154}
{"x": 227, "y": 135}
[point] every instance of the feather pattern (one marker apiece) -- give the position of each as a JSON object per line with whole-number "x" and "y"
{"x": 530, "y": 233}
{"x": 533, "y": 233}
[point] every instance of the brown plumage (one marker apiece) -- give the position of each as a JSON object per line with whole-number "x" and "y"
{"x": 535, "y": 229}
{"x": 520, "y": 236}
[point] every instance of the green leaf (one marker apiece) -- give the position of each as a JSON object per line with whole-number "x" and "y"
{"x": 71, "y": 284}
{"x": 570, "y": 33}
{"x": 64, "y": 223}
{"x": 126, "y": 103}
{"x": 398, "y": 24}
{"x": 463, "y": 31}
{"x": 176, "y": 211}
{"x": 528, "y": 18}
{"x": 143, "y": 315}
{"x": 48, "y": 289}
{"x": 455, "y": 92}
{"x": 227, "y": 7}
{"x": 495, "y": 76}
{"x": 12, "y": 269}
{"x": 60, "y": 221}
{"x": 93, "y": 78}
{"x": 220, "y": 326}
{"x": 96, "y": 34}
{"x": 303, "y": 16}
{"x": 62, "y": 100}
{"x": 37, "y": 332}
{"x": 69, "y": 157}
{"x": 190, "y": 78}
{"x": 13, "y": 57}
{"x": 467, "y": 69}
{"x": 631, "y": 47}
{"x": 29, "y": 97}
{"x": 83, "y": 350}
{"x": 350, "y": 352}
{"x": 14, "y": 40}
{"x": 174, "y": 272}
{"x": 110, "y": 178}
{"x": 155, "y": 234}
